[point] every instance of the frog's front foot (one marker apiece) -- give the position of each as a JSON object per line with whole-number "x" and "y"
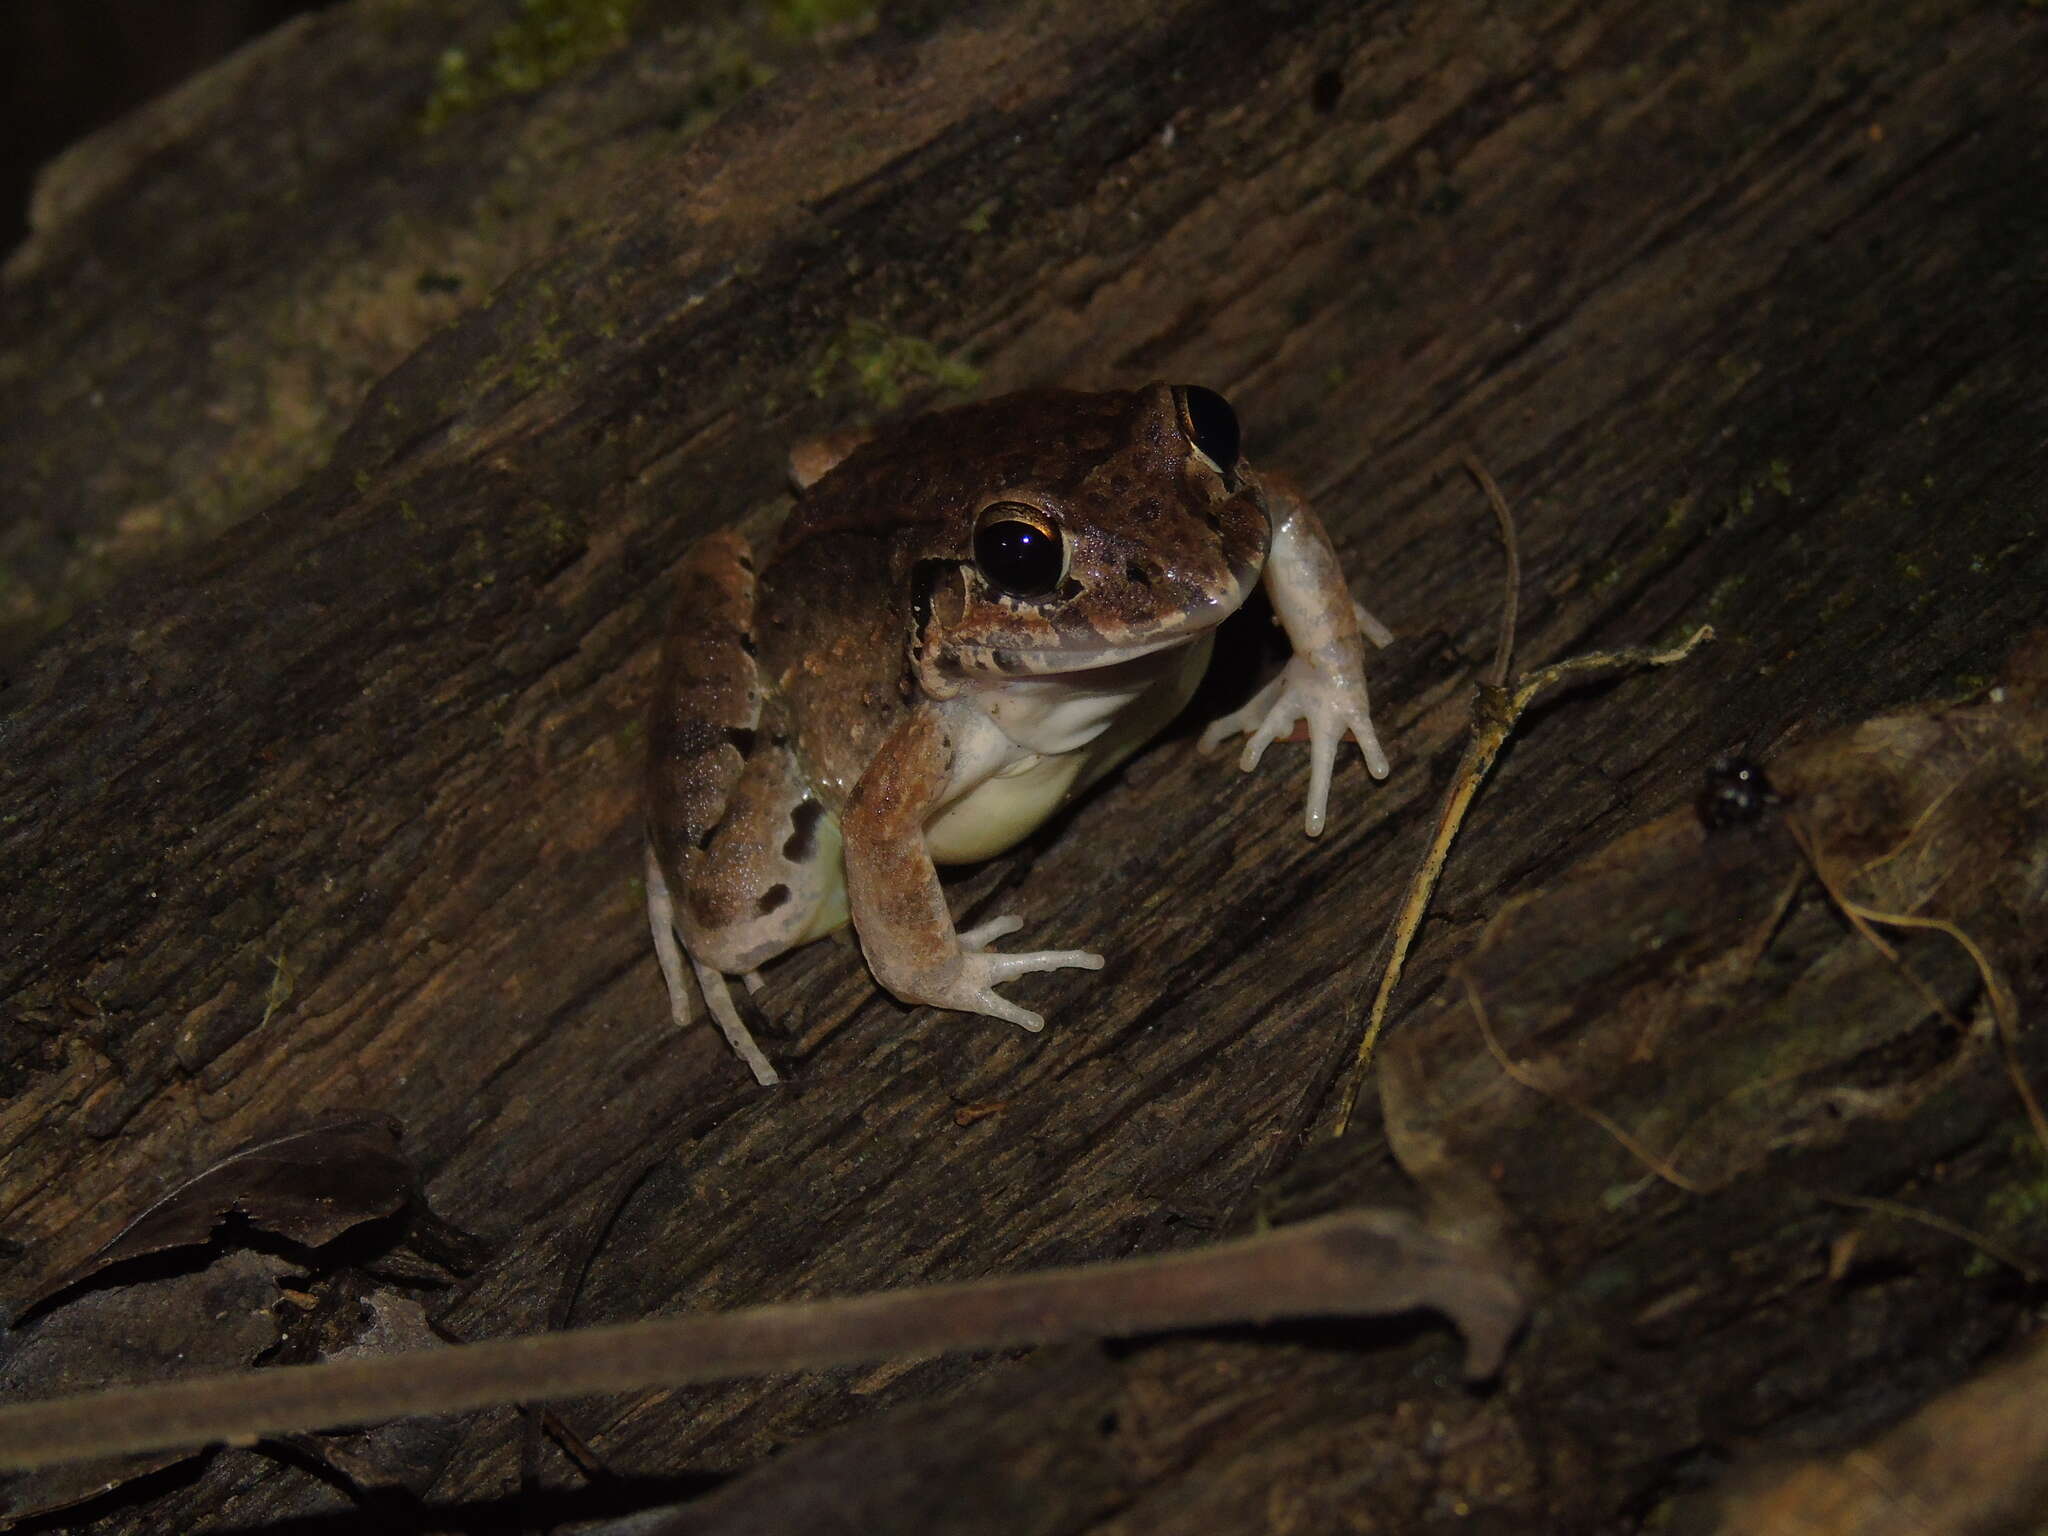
{"x": 967, "y": 980}
{"x": 1329, "y": 694}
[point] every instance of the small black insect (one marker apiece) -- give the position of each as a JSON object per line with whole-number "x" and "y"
{"x": 1736, "y": 794}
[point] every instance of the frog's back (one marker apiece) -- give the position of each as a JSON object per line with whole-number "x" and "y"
{"x": 914, "y": 482}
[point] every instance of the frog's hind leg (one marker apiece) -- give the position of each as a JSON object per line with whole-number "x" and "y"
{"x": 718, "y": 998}
{"x": 764, "y": 880}
{"x": 661, "y": 917}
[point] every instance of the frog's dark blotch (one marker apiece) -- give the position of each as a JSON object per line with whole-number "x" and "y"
{"x": 802, "y": 843}
{"x": 742, "y": 739}
{"x": 774, "y": 897}
{"x": 1325, "y": 91}
{"x": 924, "y": 576}
{"x": 1136, "y": 574}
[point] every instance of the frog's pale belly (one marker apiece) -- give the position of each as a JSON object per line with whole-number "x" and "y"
{"x": 1002, "y": 809}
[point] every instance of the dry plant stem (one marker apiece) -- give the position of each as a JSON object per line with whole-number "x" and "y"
{"x": 1511, "y": 582}
{"x": 1521, "y": 1074}
{"x": 1495, "y": 711}
{"x": 1860, "y": 916}
{"x": 2005, "y": 1011}
{"x": 1989, "y": 1247}
{"x": 1664, "y": 1169}
{"x": 1358, "y": 1262}
{"x": 1450, "y": 812}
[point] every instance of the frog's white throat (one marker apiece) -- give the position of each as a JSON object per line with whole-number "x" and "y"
{"x": 1054, "y": 713}
{"x": 1024, "y": 746}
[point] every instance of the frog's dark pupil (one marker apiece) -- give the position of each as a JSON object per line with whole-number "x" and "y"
{"x": 1210, "y": 424}
{"x": 1021, "y": 558}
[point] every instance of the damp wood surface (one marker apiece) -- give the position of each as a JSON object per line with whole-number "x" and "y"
{"x": 336, "y": 809}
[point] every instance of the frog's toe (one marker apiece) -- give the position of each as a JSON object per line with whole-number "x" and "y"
{"x": 984, "y": 934}
{"x": 981, "y": 970}
{"x": 994, "y": 1007}
{"x": 1006, "y": 967}
{"x": 1255, "y": 721}
{"x": 1322, "y": 762}
{"x": 718, "y": 998}
{"x": 1370, "y": 627}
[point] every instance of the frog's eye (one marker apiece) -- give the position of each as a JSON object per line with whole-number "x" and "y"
{"x": 1019, "y": 549}
{"x": 1210, "y": 424}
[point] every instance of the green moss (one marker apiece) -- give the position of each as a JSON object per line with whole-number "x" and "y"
{"x": 1839, "y": 602}
{"x": 547, "y": 40}
{"x": 563, "y": 531}
{"x": 1724, "y": 594}
{"x": 2016, "y": 1213}
{"x": 284, "y": 980}
{"x": 976, "y": 223}
{"x": 807, "y": 18}
{"x": 885, "y": 364}
{"x": 1737, "y": 371}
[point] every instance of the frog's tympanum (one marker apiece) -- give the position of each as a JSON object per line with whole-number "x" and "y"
{"x": 964, "y": 621}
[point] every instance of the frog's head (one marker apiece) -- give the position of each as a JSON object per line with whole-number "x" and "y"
{"x": 1120, "y": 525}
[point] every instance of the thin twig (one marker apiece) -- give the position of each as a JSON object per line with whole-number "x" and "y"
{"x": 1989, "y": 1247}
{"x": 1358, "y": 1262}
{"x": 1496, "y": 710}
{"x": 575, "y": 1270}
{"x": 1665, "y": 1170}
{"x": 1511, "y": 582}
{"x": 2005, "y": 1010}
{"x": 1521, "y": 1074}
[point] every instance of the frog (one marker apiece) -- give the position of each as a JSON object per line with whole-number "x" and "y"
{"x": 964, "y": 621}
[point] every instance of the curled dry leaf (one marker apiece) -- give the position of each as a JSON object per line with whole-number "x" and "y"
{"x": 210, "y": 1319}
{"x": 307, "y": 1186}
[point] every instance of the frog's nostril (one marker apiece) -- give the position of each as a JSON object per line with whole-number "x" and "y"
{"x": 1136, "y": 574}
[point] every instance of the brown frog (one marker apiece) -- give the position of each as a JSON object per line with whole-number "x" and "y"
{"x": 964, "y": 621}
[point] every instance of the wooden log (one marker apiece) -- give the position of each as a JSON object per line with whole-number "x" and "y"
{"x": 338, "y": 811}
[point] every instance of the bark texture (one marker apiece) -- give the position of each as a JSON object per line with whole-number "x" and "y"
{"x": 335, "y": 810}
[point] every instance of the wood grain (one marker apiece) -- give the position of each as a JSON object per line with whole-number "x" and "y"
{"x": 1738, "y": 301}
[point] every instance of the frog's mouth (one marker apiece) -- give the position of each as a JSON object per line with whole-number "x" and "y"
{"x": 1093, "y": 662}
{"x": 1122, "y": 698}
{"x": 1103, "y": 647}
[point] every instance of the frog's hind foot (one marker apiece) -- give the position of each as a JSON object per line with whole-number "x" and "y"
{"x": 718, "y": 998}
{"x": 661, "y": 918}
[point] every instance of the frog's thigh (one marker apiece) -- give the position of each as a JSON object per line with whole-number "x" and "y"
{"x": 770, "y": 876}
{"x": 707, "y": 704}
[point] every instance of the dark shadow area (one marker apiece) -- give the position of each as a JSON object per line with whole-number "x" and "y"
{"x": 68, "y": 67}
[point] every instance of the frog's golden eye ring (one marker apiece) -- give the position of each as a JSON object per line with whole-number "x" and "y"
{"x": 1019, "y": 550}
{"x": 1209, "y": 423}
